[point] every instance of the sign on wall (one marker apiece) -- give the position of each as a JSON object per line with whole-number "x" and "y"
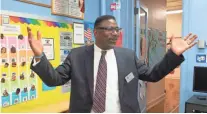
{"x": 201, "y": 58}
{"x": 69, "y": 8}
{"x": 116, "y": 5}
{"x": 78, "y": 29}
{"x": 48, "y": 44}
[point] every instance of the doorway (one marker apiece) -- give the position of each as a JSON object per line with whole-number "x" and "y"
{"x": 172, "y": 81}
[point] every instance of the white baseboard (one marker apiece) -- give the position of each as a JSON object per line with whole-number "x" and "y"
{"x": 173, "y": 110}
{"x": 156, "y": 101}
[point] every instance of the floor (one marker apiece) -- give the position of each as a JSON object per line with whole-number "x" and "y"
{"x": 157, "y": 109}
{"x": 160, "y": 109}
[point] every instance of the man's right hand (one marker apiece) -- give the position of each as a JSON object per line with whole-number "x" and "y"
{"x": 36, "y": 45}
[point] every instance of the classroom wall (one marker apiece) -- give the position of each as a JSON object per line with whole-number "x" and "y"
{"x": 16, "y": 6}
{"x": 125, "y": 19}
{"x": 94, "y": 8}
{"x": 43, "y": 12}
{"x": 194, "y": 20}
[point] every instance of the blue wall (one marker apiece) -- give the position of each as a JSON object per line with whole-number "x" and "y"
{"x": 92, "y": 10}
{"x": 125, "y": 19}
{"x": 194, "y": 20}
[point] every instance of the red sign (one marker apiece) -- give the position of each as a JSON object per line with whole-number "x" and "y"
{"x": 119, "y": 40}
{"x": 113, "y": 6}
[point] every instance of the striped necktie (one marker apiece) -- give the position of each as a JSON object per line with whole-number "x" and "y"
{"x": 99, "y": 97}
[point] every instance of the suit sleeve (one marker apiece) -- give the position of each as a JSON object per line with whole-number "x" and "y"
{"x": 159, "y": 70}
{"x": 51, "y": 76}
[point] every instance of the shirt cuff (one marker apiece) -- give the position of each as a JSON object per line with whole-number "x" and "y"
{"x": 35, "y": 63}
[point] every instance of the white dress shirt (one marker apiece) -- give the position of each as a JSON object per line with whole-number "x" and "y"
{"x": 112, "y": 104}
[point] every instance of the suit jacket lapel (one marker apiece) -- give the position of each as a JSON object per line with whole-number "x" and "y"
{"x": 89, "y": 63}
{"x": 120, "y": 67}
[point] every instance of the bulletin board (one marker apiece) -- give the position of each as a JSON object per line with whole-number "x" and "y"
{"x": 24, "y": 89}
{"x": 157, "y": 45}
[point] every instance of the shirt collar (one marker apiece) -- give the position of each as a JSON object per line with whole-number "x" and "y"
{"x": 97, "y": 49}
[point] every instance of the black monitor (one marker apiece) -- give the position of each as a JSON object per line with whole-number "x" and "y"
{"x": 200, "y": 79}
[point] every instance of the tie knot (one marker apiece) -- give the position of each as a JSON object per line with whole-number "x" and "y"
{"x": 103, "y": 52}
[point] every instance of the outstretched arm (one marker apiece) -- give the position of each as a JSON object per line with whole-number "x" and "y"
{"x": 49, "y": 75}
{"x": 172, "y": 59}
{"x": 161, "y": 69}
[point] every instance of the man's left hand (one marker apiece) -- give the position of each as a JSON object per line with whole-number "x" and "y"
{"x": 180, "y": 45}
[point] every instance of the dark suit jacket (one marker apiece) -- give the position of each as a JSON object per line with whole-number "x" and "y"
{"x": 78, "y": 66}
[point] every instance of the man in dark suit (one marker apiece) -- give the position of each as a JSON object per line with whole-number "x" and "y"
{"x": 104, "y": 78}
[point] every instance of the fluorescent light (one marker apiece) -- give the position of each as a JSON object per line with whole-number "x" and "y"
{"x": 168, "y": 12}
{"x": 174, "y": 12}
{"x": 142, "y": 14}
